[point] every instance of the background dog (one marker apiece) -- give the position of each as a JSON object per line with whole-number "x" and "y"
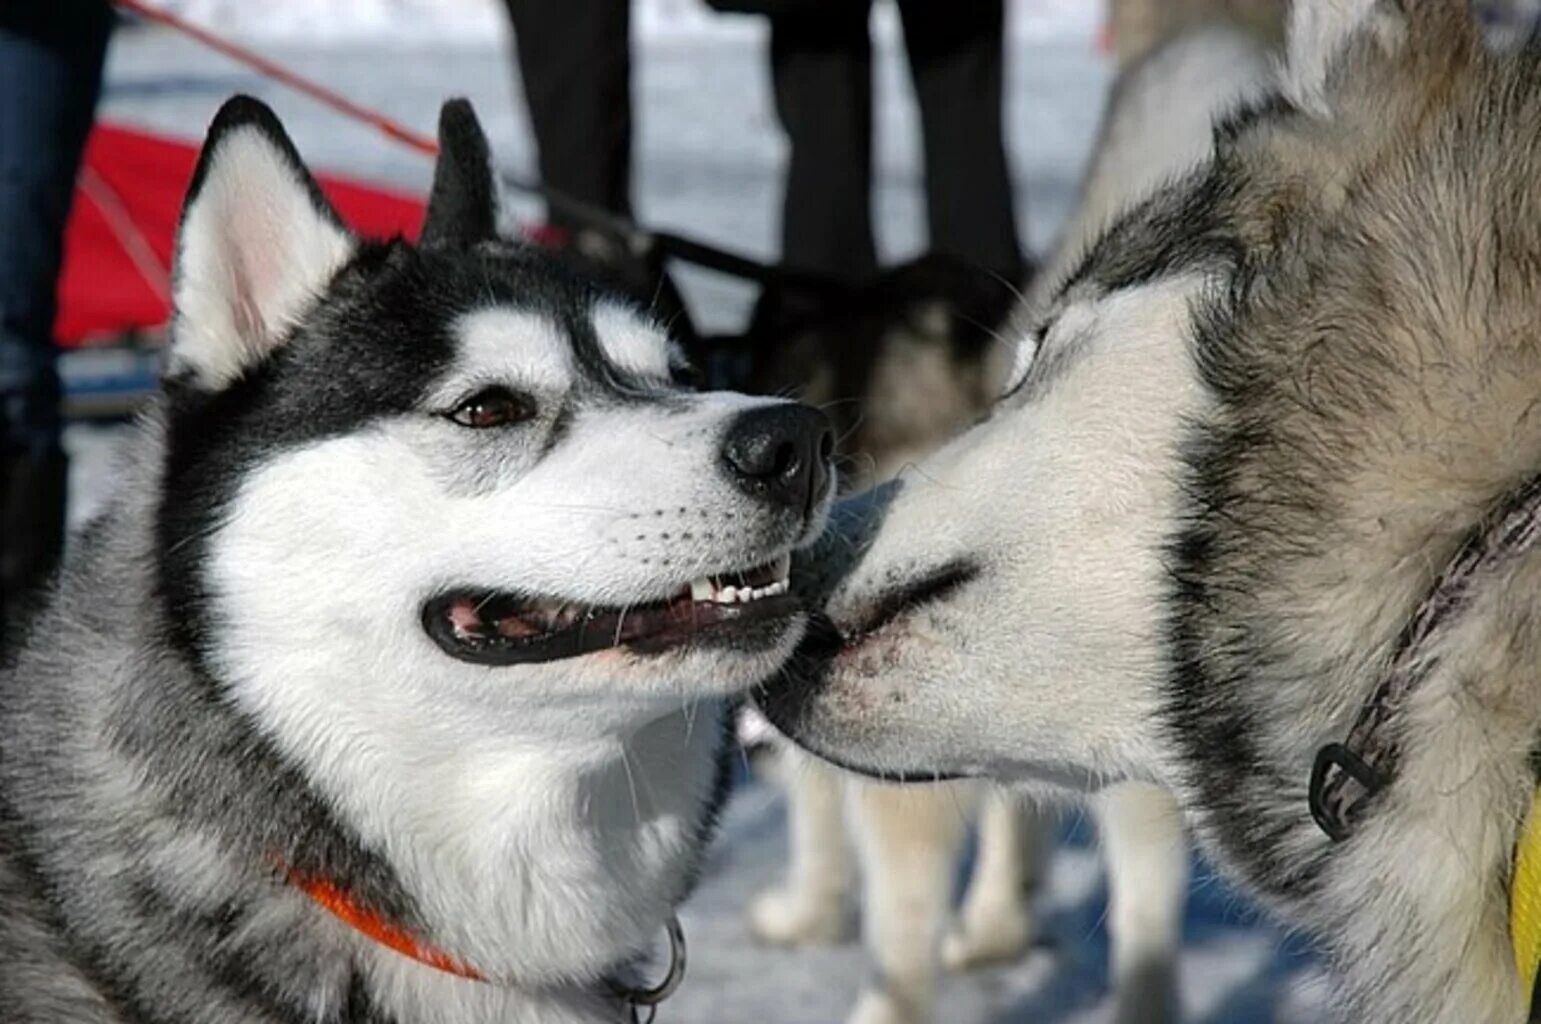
{"x": 900, "y": 366}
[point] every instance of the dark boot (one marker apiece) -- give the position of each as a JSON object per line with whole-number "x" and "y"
{"x": 32, "y": 498}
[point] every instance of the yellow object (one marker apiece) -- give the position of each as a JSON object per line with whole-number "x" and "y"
{"x": 1525, "y": 898}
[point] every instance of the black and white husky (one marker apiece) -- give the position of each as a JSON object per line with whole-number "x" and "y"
{"x": 1258, "y": 517}
{"x": 392, "y": 684}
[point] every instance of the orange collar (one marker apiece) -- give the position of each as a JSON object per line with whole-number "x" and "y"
{"x": 388, "y": 933}
{"x": 379, "y": 927}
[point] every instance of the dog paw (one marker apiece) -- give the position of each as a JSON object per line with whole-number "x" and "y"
{"x": 875, "y": 1006}
{"x": 778, "y": 917}
{"x": 999, "y": 937}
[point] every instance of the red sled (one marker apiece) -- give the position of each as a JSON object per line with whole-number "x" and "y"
{"x": 118, "y": 245}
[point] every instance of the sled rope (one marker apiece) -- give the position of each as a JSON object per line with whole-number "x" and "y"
{"x": 1347, "y": 776}
{"x": 638, "y": 240}
{"x": 155, "y": 274}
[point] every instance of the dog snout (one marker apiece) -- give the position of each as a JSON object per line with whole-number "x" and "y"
{"x": 781, "y": 454}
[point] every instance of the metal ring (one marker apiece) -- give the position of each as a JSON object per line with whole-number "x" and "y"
{"x": 671, "y": 981}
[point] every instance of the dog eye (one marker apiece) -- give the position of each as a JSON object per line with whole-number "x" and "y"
{"x": 493, "y": 407}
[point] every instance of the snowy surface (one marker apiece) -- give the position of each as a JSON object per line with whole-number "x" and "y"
{"x": 708, "y": 163}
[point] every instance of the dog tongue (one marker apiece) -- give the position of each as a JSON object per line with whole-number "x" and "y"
{"x": 465, "y": 618}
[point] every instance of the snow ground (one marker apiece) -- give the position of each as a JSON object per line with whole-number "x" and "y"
{"x": 708, "y": 163}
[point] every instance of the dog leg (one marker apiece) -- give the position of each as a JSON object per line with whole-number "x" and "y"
{"x": 995, "y": 923}
{"x": 811, "y": 906}
{"x": 1147, "y": 856}
{"x": 908, "y": 840}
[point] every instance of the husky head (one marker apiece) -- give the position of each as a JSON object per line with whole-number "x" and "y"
{"x": 442, "y": 522}
{"x": 1243, "y": 437}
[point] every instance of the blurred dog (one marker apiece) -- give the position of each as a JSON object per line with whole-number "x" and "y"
{"x": 899, "y": 366}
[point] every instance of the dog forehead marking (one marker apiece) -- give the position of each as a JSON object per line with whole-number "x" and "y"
{"x": 516, "y": 346}
{"x": 630, "y": 342}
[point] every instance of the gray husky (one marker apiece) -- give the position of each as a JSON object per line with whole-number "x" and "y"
{"x": 1256, "y": 518}
{"x": 392, "y": 685}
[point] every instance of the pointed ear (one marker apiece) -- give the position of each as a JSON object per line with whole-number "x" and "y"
{"x": 1322, "y": 31}
{"x": 257, "y": 243}
{"x": 463, "y": 208}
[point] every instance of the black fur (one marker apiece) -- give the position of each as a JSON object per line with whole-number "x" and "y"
{"x": 462, "y": 208}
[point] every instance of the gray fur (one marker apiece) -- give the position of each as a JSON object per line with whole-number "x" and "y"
{"x": 355, "y": 616}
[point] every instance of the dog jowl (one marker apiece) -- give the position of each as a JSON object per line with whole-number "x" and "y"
{"x": 391, "y": 684}
{"x": 1247, "y": 436}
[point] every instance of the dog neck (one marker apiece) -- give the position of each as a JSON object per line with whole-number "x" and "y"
{"x": 1352, "y": 777}
{"x": 380, "y": 929}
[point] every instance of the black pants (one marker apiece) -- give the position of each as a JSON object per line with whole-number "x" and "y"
{"x": 575, "y": 61}
{"x": 50, "y": 74}
{"x": 821, "y": 66}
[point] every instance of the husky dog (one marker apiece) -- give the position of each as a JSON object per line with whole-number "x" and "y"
{"x": 392, "y": 685}
{"x": 1212, "y": 528}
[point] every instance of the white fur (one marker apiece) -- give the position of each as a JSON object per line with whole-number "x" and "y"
{"x": 540, "y": 816}
{"x": 253, "y": 253}
{"x": 512, "y": 347}
{"x": 1074, "y": 560}
{"x": 633, "y": 344}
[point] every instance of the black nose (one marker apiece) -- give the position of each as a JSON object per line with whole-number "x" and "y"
{"x": 780, "y": 453}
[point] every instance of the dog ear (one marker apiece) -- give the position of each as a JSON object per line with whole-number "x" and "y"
{"x": 463, "y": 207}
{"x": 1322, "y": 31}
{"x": 256, "y": 245}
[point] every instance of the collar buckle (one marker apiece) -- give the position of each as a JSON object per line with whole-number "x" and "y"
{"x": 1333, "y": 806}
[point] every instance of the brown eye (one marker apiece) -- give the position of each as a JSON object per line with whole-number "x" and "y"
{"x": 493, "y": 407}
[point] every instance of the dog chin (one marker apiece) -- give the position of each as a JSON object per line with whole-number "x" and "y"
{"x": 822, "y": 701}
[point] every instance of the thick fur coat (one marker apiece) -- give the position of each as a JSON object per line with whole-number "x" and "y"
{"x": 1246, "y": 434}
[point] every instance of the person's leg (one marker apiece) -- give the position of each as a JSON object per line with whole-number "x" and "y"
{"x": 957, "y": 61}
{"x": 575, "y": 63}
{"x": 821, "y": 71}
{"x": 50, "y": 77}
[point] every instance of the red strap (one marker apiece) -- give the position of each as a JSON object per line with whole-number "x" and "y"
{"x": 378, "y": 927}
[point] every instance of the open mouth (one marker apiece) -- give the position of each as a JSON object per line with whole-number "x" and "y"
{"x": 499, "y": 628}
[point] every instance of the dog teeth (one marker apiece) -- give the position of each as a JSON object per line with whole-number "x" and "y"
{"x": 705, "y": 589}
{"x": 783, "y": 570}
